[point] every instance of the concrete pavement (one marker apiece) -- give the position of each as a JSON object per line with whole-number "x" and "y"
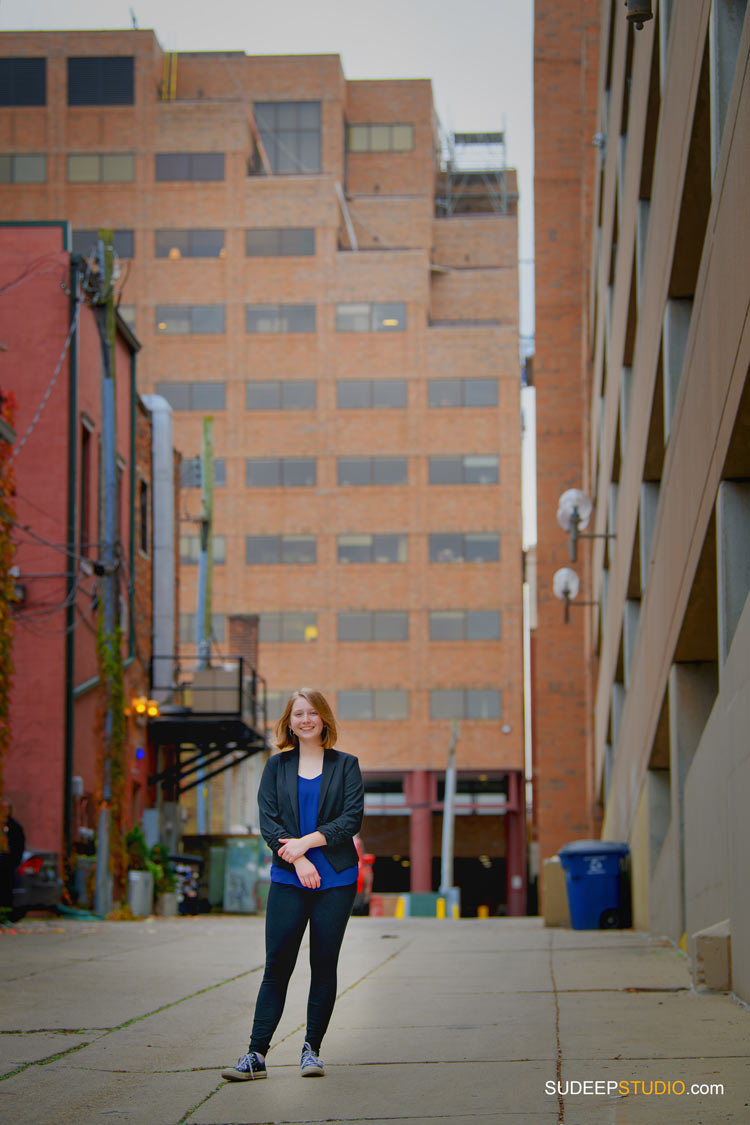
{"x": 482, "y": 1021}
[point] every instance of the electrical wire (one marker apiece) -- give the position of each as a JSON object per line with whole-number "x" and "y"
{"x": 37, "y": 268}
{"x": 45, "y": 397}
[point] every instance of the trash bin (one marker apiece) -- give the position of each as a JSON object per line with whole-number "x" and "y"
{"x": 597, "y": 893}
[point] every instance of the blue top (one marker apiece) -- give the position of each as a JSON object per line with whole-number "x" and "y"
{"x": 308, "y": 793}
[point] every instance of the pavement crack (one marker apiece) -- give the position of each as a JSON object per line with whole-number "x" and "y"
{"x": 558, "y": 1041}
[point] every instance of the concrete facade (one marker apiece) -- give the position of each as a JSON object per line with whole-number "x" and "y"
{"x": 668, "y": 465}
{"x": 358, "y": 171}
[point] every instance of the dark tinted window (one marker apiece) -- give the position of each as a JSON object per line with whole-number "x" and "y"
{"x": 280, "y": 318}
{"x": 189, "y": 243}
{"x": 462, "y": 392}
{"x": 23, "y": 81}
{"x": 280, "y": 242}
{"x": 189, "y": 166}
{"x": 84, "y": 241}
{"x": 100, "y": 81}
{"x": 193, "y": 396}
{"x": 290, "y": 132}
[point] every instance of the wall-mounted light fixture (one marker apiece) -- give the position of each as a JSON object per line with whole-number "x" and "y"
{"x": 639, "y": 11}
{"x": 573, "y": 514}
{"x": 565, "y": 586}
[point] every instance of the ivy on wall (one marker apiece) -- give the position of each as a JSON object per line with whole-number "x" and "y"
{"x": 112, "y": 743}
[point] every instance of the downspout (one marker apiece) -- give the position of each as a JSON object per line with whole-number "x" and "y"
{"x": 133, "y": 502}
{"x": 75, "y": 281}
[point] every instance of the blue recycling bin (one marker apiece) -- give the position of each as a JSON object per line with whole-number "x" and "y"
{"x": 594, "y": 877}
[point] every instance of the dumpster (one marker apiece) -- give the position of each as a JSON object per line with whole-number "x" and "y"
{"x": 598, "y": 894}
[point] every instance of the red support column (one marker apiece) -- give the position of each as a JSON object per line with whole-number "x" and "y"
{"x": 515, "y": 827}
{"x": 419, "y": 797}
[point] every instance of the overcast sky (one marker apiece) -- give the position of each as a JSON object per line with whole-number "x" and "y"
{"x": 478, "y": 54}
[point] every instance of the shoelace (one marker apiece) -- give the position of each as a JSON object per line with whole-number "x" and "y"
{"x": 309, "y": 1058}
{"x": 249, "y": 1058}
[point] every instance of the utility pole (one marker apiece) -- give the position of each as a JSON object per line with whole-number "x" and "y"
{"x": 206, "y": 559}
{"x": 447, "y": 889}
{"x": 205, "y": 580}
{"x": 105, "y": 311}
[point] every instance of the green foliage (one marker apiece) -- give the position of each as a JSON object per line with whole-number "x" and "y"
{"x": 112, "y": 748}
{"x": 164, "y": 877}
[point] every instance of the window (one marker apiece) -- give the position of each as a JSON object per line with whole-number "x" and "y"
{"x": 144, "y": 516}
{"x": 372, "y": 548}
{"x": 278, "y": 395}
{"x": 448, "y": 547}
{"x": 470, "y": 703}
{"x": 380, "y": 625}
{"x": 292, "y": 627}
{"x": 176, "y": 244}
{"x": 464, "y": 625}
{"x": 193, "y": 396}
{"x": 464, "y": 470}
{"x": 23, "y": 169}
{"x": 370, "y": 394}
{"x": 190, "y": 549}
{"x": 271, "y": 550}
{"x": 280, "y": 318}
{"x": 280, "y": 242}
{"x": 380, "y": 138}
{"x": 373, "y": 705}
{"x": 188, "y": 628}
{"x": 198, "y": 320}
{"x": 276, "y": 472}
{"x": 290, "y": 133}
{"x": 23, "y": 82}
{"x": 178, "y": 166}
{"x": 191, "y": 472}
{"x": 127, "y": 312}
{"x": 101, "y": 168}
{"x": 462, "y": 392}
{"x": 84, "y": 241}
{"x": 372, "y": 470}
{"x": 371, "y": 317}
{"x": 84, "y": 514}
{"x": 101, "y": 81}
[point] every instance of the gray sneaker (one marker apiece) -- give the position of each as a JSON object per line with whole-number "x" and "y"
{"x": 249, "y": 1066}
{"x": 310, "y": 1065}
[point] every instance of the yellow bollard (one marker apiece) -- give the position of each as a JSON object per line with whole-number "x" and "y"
{"x": 400, "y": 910}
{"x": 440, "y": 908}
{"x": 483, "y": 912}
{"x": 455, "y": 912}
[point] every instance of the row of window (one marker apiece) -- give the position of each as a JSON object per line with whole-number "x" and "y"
{"x": 455, "y": 703}
{"x": 290, "y": 131}
{"x": 382, "y": 625}
{"x": 302, "y": 550}
{"x": 360, "y": 316}
{"x": 301, "y": 472}
{"x": 351, "y": 394}
{"x": 260, "y": 242}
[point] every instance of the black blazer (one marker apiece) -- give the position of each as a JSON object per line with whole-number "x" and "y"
{"x": 340, "y": 806}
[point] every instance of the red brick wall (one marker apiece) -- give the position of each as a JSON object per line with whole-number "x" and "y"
{"x": 565, "y": 71}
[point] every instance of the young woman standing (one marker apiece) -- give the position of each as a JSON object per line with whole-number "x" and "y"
{"x": 311, "y": 801}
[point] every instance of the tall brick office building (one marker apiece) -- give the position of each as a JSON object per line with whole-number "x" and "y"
{"x": 298, "y": 263}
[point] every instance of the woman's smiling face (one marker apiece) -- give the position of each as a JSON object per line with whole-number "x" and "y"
{"x": 305, "y": 721}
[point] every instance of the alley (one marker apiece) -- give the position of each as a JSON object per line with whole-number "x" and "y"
{"x": 466, "y": 1021}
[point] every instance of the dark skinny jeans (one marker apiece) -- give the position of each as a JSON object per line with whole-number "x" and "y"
{"x": 288, "y": 911}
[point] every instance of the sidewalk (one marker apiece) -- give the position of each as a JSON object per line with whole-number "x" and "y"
{"x": 437, "y": 1022}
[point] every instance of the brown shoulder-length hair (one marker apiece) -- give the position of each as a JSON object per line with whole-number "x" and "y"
{"x": 285, "y": 739}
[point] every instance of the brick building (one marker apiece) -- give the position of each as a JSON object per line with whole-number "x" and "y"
{"x": 52, "y": 772}
{"x": 300, "y": 265}
{"x": 566, "y": 63}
